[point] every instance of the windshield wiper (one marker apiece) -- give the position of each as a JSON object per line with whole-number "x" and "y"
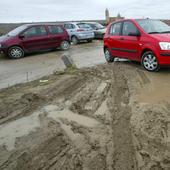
{"x": 154, "y": 32}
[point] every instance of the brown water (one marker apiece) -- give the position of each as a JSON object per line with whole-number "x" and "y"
{"x": 156, "y": 87}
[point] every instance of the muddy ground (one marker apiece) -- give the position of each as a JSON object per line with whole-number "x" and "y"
{"x": 108, "y": 117}
{"x": 37, "y": 65}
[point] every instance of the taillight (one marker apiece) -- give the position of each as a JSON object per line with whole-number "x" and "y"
{"x": 79, "y": 30}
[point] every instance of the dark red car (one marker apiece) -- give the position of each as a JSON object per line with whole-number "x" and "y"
{"x": 33, "y": 37}
{"x": 143, "y": 40}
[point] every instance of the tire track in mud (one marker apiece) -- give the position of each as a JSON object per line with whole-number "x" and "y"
{"x": 93, "y": 94}
{"x": 124, "y": 153}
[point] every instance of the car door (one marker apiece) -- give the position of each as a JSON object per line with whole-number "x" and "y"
{"x": 114, "y": 39}
{"x": 35, "y": 38}
{"x": 130, "y": 42}
{"x": 56, "y": 34}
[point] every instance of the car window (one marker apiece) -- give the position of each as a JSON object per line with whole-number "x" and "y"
{"x": 17, "y": 30}
{"x": 35, "y": 31}
{"x": 153, "y": 26}
{"x": 54, "y": 29}
{"x": 129, "y": 27}
{"x": 69, "y": 26}
{"x": 93, "y": 26}
{"x": 115, "y": 29}
{"x": 82, "y": 25}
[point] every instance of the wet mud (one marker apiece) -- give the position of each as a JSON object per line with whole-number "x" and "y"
{"x": 97, "y": 118}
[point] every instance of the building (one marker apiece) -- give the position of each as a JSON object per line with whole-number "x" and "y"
{"x": 167, "y": 22}
{"x": 112, "y": 19}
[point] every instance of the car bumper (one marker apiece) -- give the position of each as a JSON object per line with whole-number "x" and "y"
{"x": 86, "y": 36}
{"x": 3, "y": 50}
{"x": 99, "y": 35}
{"x": 164, "y": 58}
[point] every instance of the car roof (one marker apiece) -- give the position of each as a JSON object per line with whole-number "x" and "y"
{"x": 75, "y": 22}
{"x": 122, "y": 20}
{"x": 91, "y": 22}
{"x": 40, "y": 24}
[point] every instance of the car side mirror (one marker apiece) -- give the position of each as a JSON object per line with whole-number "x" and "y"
{"x": 136, "y": 34}
{"x": 21, "y": 36}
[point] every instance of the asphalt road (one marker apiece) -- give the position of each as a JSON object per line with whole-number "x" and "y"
{"x": 40, "y": 64}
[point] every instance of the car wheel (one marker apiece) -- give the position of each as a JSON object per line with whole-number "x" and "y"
{"x": 150, "y": 62}
{"x": 74, "y": 40}
{"x": 65, "y": 45}
{"x": 15, "y": 52}
{"x": 109, "y": 58}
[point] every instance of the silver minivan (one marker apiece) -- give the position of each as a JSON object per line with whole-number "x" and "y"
{"x": 79, "y": 32}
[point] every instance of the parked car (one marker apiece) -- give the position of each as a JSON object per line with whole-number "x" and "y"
{"x": 99, "y": 30}
{"x": 143, "y": 40}
{"x": 79, "y": 32}
{"x": 33, "y": 37}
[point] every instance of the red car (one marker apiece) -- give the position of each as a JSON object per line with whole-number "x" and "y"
{"x": 143, "y": 40}
{"x": 33, "y": 37}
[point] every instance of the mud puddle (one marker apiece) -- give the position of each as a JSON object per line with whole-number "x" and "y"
{"x": 155, "y": 87}
{"x": 37, "y": 65}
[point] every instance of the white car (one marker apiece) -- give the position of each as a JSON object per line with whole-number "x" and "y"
{"x": 79, "y": 32}
{"x": 99, "y": 30}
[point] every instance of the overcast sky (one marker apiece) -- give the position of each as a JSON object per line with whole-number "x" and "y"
{"x": 62, "y": 10}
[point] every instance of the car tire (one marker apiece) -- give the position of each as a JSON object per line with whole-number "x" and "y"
{"x": 150, "y": 61}
{"x": 65, "y": 45}
{"x": 74, "y": 40}
{"x": 109, "y": 58}
{"x": 16, "y": 52}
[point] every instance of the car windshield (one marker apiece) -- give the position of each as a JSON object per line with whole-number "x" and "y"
{"x": 154, "y": 26}
{"x": 17, "y": 30}
{"x": 83, "y": 26}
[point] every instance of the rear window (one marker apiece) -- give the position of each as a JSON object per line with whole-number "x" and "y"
{"x": 54, "y": 29}
{"x": 115, "y": 29}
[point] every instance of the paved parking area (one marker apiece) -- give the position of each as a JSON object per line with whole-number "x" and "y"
{"x": 37, "y": 65}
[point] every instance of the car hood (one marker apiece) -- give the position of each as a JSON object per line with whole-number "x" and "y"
{"x": 161, "y": 37}
{"x": 4, "y": 38}
{"x": 101, "y": 31}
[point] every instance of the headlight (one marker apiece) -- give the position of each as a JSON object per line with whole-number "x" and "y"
{"x": 165, "y": 45}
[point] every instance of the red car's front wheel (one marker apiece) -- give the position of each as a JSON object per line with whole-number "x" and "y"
{"x": 150, "y": 62}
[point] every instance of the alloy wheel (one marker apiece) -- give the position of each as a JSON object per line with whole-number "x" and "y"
{"x": 65, "y": 45}
{"x": 16, "y": 52}
{"x": 150, "y": 62}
